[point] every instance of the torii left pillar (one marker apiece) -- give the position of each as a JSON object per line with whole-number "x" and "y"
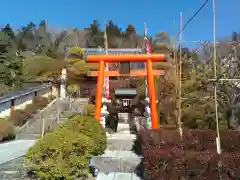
{"x": 148, "y": 58}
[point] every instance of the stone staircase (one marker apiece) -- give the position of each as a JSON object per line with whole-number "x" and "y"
{"x": 33, "y": 128}
{"x": 119, "y": 162}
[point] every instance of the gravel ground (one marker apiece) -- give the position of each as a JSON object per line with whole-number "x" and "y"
{"x": 13, "y": 170}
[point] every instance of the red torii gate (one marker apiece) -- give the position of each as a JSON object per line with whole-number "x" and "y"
{"x": 148, "y": 58}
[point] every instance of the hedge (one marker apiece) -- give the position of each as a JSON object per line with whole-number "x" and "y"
{"x": 194, "y": 156}
{"x": 7, "y": 130}
{"x": 64, "y": 153}
{"x": 89, "y": 110}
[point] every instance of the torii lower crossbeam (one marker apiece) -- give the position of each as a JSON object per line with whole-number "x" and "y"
{"x": 148, "y": 58}
{"x": 133, "y": 73}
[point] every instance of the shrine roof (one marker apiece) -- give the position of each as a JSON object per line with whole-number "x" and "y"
{"x": 125, "y": 92}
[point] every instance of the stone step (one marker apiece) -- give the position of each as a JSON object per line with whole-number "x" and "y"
{"x": 117, "y": 176}
{"x": 123, "y": 126}
{"x": 119, "y": 154}
{"x": 116, "y": 161}
{"x": 122, "y": 136}
{"x": 108, "y": 164}
{"x": 120, "y": 145}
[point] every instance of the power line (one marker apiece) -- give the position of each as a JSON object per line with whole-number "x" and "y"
{"x": 208, "y": 41}
{"x": 196, "y": 13}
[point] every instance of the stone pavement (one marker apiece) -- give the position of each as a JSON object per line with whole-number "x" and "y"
{"x": 119, "y": 162}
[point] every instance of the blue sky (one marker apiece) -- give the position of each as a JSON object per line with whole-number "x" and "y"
{"x": 158, "y": 14}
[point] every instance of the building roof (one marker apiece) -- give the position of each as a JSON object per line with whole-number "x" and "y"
{"x": 125, "y": 92}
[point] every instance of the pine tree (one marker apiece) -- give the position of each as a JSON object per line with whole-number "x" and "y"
{"x": 8, "y": 31}
{"x": 10, "y": 65}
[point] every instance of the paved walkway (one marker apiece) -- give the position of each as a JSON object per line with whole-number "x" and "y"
{"x": 14, "y": 149}
{"x": 119, "y": 162}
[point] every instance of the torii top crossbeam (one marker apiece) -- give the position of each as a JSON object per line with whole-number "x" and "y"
{"x": 125, "y": 58}
{"x": 148, "y": 58}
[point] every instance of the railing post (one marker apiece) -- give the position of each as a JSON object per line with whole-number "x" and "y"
{"x": 12, "y": 106}
{"x": 99, "y": 88}
{"x": 35, "y": 94}
{"x": 152, "y": 94}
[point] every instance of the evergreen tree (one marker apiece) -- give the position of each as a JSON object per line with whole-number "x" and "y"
{"x": 234, "y": 36}
{"x": 130, "y": 30}
{"x": 10, "y": 65}
{"x": 8, "y": 31}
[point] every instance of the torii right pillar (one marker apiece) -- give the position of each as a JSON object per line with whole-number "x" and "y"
{"x": 152, "y": 94}
{"x": 148, "y": 58}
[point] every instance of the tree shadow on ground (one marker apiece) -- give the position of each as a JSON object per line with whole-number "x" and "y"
{"x": 137, "y": 149}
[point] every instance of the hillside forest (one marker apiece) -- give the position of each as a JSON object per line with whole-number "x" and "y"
{"x": 34, "y": 52}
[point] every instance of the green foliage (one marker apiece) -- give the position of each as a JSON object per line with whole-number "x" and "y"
{"x": 78, "y": 65}
{"x": 51, "y": 98}
{"x": 64, "y": 153}
{"x": 75, "y": 54}
{"x": 72, "y": 88}
{"x": 7, "y": 130}
{"x": 19, "y": 117}
{"x": 40, "y": 102}
{"x": 89, "y": 109}
{"x": 37, "y": 66}
{"x": 9, "y": 62}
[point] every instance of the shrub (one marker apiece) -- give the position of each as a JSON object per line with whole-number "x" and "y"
{"x": 72, "y": 88}
{"x": 31, "y": 109}
{"x": 64, "y": 153}
{"x": 18, "y": 117}
{"x": 7, "y": 131}
{"x": 88, "y": 110}
{"x": 89, "y": 127}
{"x": 168, "y": 156}
{"x": 40, "y": 102}
{"x": 51, "y": 98}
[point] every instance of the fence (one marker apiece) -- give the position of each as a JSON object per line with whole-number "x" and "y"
{"x": 20, "y": 99}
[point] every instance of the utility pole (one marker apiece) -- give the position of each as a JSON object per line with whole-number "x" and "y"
{"x": 180, "y": 81}
{"x": 215, "y": 77}
{"x": 176, "y": 68}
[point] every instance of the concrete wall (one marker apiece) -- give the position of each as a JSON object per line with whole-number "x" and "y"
{"x": 19, "y": 100}
{"x": 45, "y": 92}
{"x": 5, "y": 109}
